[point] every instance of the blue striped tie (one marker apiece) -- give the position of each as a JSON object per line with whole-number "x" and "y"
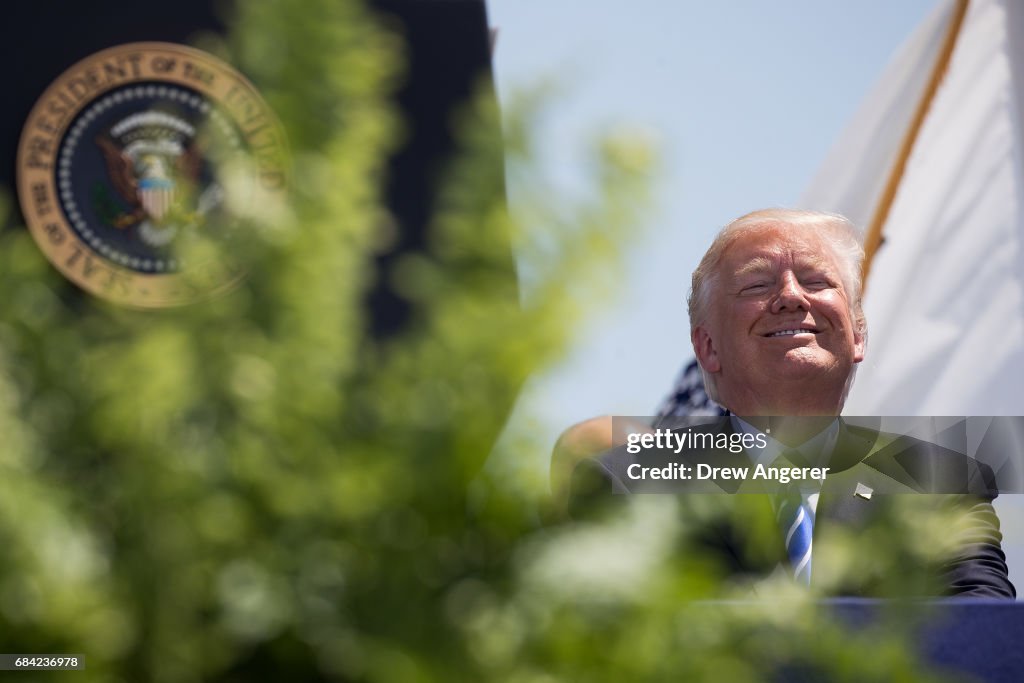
{"x": 797, "y": 521}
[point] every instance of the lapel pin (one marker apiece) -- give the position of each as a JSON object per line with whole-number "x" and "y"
{"x": 862, "y": 491}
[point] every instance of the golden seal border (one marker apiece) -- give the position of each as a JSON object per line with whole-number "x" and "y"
{"x": 84, "y": 83}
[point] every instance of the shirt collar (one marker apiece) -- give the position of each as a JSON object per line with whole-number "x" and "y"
{"x": 815, "y": 451}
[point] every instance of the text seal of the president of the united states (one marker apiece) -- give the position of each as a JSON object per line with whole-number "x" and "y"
{"x": 116, "y": 172}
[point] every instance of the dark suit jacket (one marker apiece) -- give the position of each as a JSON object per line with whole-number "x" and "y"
{"x": 858, "y": 499}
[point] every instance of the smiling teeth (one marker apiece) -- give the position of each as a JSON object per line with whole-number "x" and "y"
{"x": 784, "y": 333}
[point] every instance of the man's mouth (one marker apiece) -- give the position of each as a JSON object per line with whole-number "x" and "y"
{"x": 792, "y": 331}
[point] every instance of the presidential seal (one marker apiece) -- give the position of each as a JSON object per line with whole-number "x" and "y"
{"x": 116, "y": 171}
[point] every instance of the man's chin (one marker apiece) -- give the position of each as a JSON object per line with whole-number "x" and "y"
{"x": 803, "y": 364}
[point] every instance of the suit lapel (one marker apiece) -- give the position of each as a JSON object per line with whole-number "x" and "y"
{"x": 850, "y": 492}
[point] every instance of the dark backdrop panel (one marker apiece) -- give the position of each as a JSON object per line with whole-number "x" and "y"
{"x": 447, "y": 44}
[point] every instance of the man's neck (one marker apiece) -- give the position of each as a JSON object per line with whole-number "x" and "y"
{"x": 790, "y": 430}
{"x": 780, "y": 401}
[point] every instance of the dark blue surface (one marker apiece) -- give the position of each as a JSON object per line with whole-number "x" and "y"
{"x": 980, "y": 637}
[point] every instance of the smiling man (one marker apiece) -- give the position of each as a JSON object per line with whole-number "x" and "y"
{"x": 775, "y": 313}
{"x": 778, "y": 329}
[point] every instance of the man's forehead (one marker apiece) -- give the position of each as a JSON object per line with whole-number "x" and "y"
{"x": 768, "y": 248}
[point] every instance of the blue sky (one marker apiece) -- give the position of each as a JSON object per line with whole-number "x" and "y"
{"x": 744, "y": 98}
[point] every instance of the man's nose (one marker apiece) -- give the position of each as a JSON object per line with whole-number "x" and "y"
{"x": 790, "y": 296}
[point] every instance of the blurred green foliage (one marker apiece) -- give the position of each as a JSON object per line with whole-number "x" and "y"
{"x": 252, "y": 488}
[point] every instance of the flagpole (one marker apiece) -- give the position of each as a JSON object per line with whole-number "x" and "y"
{"x": 873, "y": 239}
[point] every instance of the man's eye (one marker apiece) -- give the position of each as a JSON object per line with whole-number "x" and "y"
{"x": 757, "y": 288}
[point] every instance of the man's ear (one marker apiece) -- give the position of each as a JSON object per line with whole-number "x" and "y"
{"x": 704, "y": 347}
{"x": 860, "y": 343}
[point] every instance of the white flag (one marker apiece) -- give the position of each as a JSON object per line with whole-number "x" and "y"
{"x": 945, "y": 295}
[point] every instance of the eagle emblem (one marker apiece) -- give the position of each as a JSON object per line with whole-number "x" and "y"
{"x": 155, "y": 165}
